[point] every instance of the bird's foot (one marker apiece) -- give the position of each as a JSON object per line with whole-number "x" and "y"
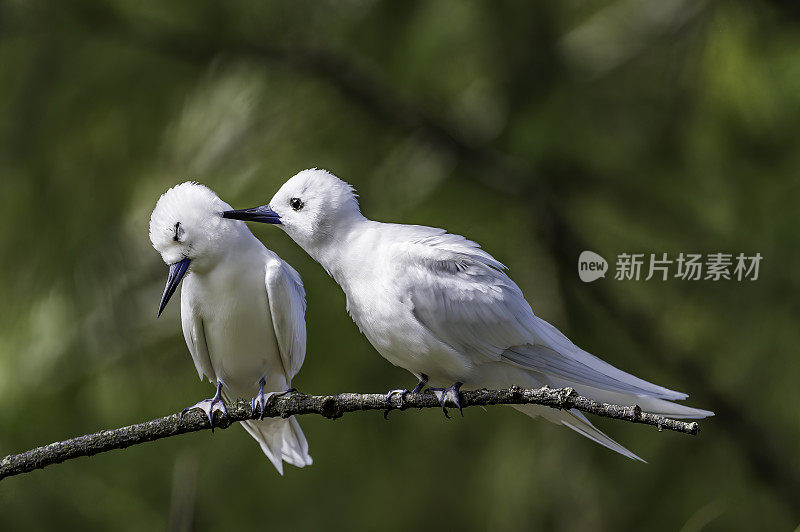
{"x": 209, "y": 406}
{"x": 418, "y": 388}
{"x": 451, "y": 395}
{"x": 261, "y": 398}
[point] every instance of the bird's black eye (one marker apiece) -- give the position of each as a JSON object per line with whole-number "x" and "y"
{"x": 178, "y": 232}
{"x": 296, "y": 203}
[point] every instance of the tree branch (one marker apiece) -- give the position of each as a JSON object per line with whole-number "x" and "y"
{"x": 329, "y": 406}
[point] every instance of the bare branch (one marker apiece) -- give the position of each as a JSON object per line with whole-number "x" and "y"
{"x": 329, "y": 406}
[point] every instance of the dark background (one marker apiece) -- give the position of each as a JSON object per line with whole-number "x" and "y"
{"x": 538, "y": 129}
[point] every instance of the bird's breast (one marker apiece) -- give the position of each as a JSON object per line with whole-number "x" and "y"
{"x": 239, "y": 332}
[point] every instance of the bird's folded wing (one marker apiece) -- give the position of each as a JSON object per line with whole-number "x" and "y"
{"x": 554, "y": 354}
{"x": 194, "y": 334}
{"x": 460, "y": 294}
{"x": 287, "y": 304}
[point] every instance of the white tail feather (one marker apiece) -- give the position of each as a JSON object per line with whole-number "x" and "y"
{"x": 651, "y": 405}
{"x": 282, "y": 440}
{"x": 577, "y": 422}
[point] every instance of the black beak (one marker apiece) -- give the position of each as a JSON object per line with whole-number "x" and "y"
{"x": 263, "y": 214}
{"x": 176, "y": 273}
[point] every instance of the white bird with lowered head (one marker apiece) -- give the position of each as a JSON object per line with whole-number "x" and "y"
{"x": 242, "y": 311}
{"x": 439, "y": 306}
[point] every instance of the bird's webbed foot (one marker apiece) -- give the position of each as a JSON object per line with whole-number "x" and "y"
{"x": 449, "y": 397}
{"x": 260, "y": 399}
{"x": 402, "y": 392}
{"x": 210, "y": 405}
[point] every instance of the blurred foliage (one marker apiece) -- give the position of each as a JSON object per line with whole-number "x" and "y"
{"x": 638, "y": 126}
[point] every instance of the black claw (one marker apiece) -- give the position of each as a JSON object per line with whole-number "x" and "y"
{"x": 418, "y": 388}
{"x": 457, "y": 392}
{"x": 420, "y": 385}
{"x": 443, "y": 394}
{"x": 209, "y": 412}
{"x": 388, "y": 400}
{"x": 261, "y": 398}
{"x": 214, "y": 400}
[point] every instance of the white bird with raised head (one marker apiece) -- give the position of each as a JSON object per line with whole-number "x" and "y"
{"x": 439, "y": 306}
{"x": 242, "y": 311}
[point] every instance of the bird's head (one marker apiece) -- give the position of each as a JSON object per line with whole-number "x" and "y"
{"x": 312, "y": 207}
{"x": 187, "y": 228}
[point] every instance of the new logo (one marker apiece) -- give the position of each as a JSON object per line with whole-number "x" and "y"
{"x": 591, "y": 266}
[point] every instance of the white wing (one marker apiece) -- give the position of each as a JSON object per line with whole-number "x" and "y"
{"x": 194, "y": 334}
{"x": 287, "y": 304}
{"x": 554, "y": 354}
{"x": 460, "y": 293}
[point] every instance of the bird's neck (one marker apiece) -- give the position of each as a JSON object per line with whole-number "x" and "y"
{"x": 237, "y": 252}
{"x": 344, "y": 250}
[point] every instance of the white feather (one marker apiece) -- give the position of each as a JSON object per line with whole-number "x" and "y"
{"x": 436, "y": 303}
{"x": 242, "y": 309}
{"x": 287, "y": 303}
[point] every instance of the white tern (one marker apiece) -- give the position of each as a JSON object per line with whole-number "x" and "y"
{"x": 242, "y": 311}
{"x": 439, "y": 306}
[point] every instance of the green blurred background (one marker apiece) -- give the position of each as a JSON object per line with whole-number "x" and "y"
{"x": 538, "y": 129}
